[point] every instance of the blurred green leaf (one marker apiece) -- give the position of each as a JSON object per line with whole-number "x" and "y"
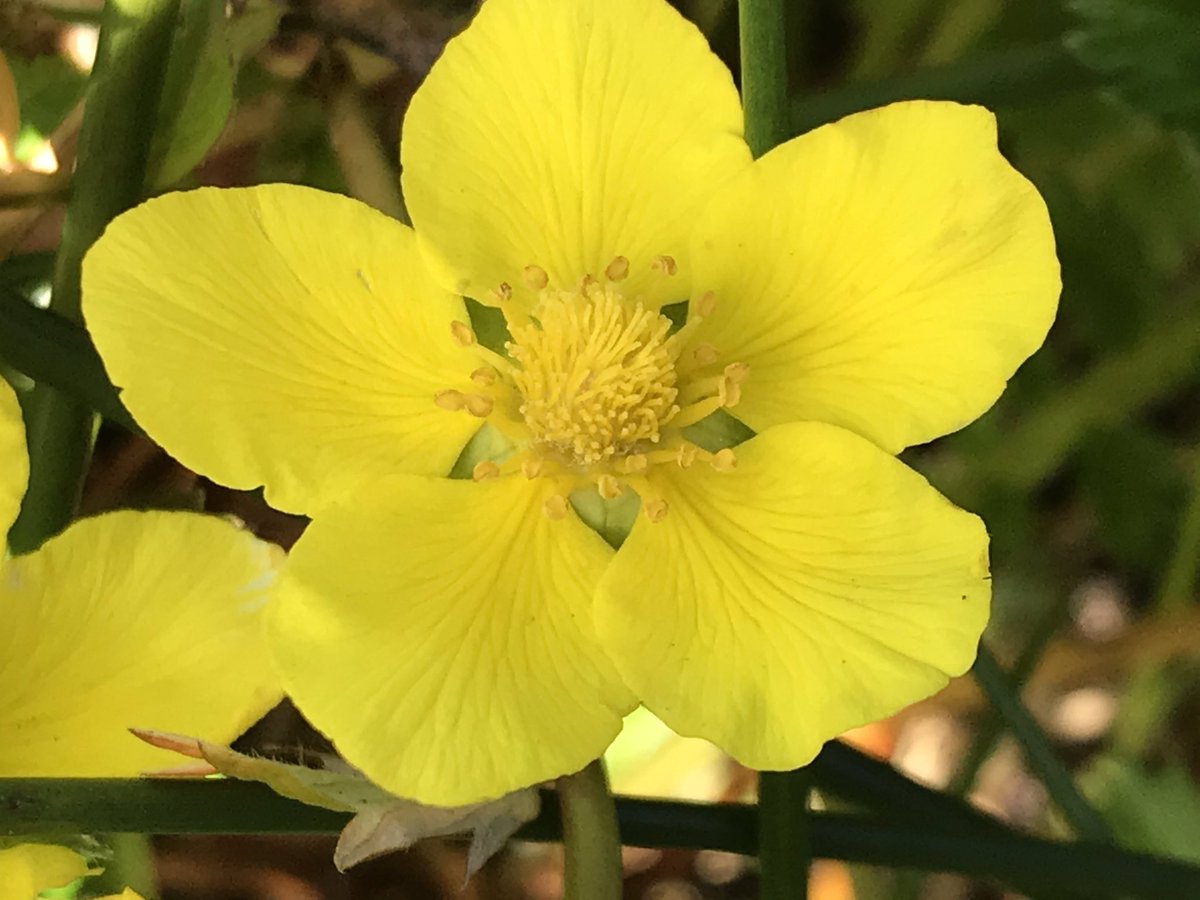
{"x": 197, "y": 94}
{"x": 47, "y": 88}
{"x": 1157, "y": 812}
{"x": 1150, "y": 51}
{"x": 1136, "y": 490}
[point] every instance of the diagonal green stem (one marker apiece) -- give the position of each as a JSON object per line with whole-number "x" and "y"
{"x": 591, "y": 844}
{"x": 1038, "y": 752}
{"x": 764, "y": 73}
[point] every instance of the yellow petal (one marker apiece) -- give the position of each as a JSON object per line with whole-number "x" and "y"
{"x": 563, "y": 135}
{"x": 148, "y": 619}
{"x": 14, "y": 458}
{"x": 278, "y": 335}
{"x": 28, "y": 869}
{"x": 440, "y": 633}
{"x": 818, "y": 586}
{"x": 886, "y": 273}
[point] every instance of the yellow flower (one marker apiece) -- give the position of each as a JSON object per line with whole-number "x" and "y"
{"x": 28, "y": 869}
{"x": 125, "y": 619}
{"x": 579, "y": 164}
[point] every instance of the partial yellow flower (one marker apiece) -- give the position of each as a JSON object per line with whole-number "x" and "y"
{"x": 578, "y": 164}
{"x": 28, "y": 869}
{"x": 125, "y": 619}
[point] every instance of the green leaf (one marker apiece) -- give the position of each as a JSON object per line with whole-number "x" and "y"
{"x": 1149, "y": 50}
{"x": 47, "y": 88}
{"x": 1156, "y": 812}
{"x": 197, "y": 94}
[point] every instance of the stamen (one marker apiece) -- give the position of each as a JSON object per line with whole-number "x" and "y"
{"x": 655, "y": 509}
{"x": 737, "y": 372}
{"x": 485, "y": 376}
{"x": 535, "y": 277}
{"x": 531, "y": 467}
{"x": 462, "y": 333}
{"x": 664, "y": 265}
{"x": 705, "y": 354}
{"x": 478, "y": 405}
{"x": 450, "y": 400}
{"x": 724, "y": 460}
{"x": 555, "y": 507}
{"x": 705, "y": 305}
{"x": 608, "y": 487}
{"x": 686, "y": 455}
{"x": 484, "y": 470}
{"x": 618, "y": 269}
{"x": 634, "y": 464}
{"x": 596, "y": 375}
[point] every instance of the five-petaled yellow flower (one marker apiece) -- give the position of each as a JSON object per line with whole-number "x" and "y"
{"x": 579, "y": 165}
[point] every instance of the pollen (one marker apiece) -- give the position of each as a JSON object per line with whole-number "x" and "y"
{"x": 596, "y": 375}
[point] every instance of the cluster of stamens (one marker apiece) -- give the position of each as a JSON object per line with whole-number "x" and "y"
{"x": 595, "y": 388}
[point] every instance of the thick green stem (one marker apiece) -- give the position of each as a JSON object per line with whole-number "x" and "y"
{"x": 70, "y": 806}
{"x": 764, "y": 73}
{"x": 591, "y": 843}
{"x": 114, "y": 141}
{"x": 1038, "y": 752}
{"x": 784, "y": 838}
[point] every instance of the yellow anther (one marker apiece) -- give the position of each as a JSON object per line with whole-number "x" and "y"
{"x": 724, "y": 460}
{"x": 535, "y": 277}
{"x": 478, "y": 405}
{"x": 705, "y": 305}
{"x": 731, "y": 394}
{"x": 608, "y": 487}
{"x": 451, "y": 400}
{"x": 462, "y": 333}
{"x": 485, "y": 376}
{"x": 705, "y": 354}
{"x": 555, "y": 507}
{"x": 664, "y": 265}
{"x": 531, "y": 467}
{"x": 587, "y": 285}
{"x": 635, "y": 464}
{"x": 618, "y": 269}
{"x": 686, "y": 455}
{"x": 656, "y": 509}
{"x": 484, "y": 470}
{"x": 737, "y": 372}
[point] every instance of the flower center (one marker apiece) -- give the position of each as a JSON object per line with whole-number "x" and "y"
{"x": 595, "y": 388}
{"x": 596, "y": 375}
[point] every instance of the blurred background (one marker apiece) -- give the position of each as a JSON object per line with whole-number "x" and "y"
{"x": 1087, "y": 471}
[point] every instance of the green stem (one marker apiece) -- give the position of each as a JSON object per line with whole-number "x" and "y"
{"x": 1038, "y": 752}
{"x": 1001, "y": 78}
{"x": 74, "y": 805}
{"x": 761, "y": 29}
{"x": 114, "y": 142}
{"x": 784, "y": 834}
{"x": 591, "y": 843}
{"x": 991, "y": 723}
